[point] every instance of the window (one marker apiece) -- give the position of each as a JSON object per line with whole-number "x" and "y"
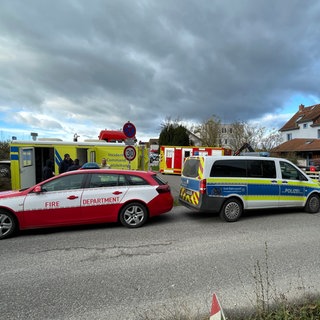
{"x": 27, "y": 157}
{"x": 107, "y": 180}
{"x": 318, "y": 133}
{"x": 261, "y": 169}
{"x": 136, "y": 181}
{"x": 224, "y": 130}
{"x": 229, "y": 168}
{"x": 289, "y": 136}
{"x": 64, "y": 183}
{"x": 289, "y": 172}
{"x": 191, "y": 167}
{"x": 244, "y": 169}
{"x": 305, "y": 126}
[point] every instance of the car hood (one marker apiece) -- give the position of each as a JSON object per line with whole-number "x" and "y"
{"x": 10, "y": 193}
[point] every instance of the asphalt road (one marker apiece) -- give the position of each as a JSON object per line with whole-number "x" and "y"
{"x": 170, "y": 266}
{"x": 174, "y": 182}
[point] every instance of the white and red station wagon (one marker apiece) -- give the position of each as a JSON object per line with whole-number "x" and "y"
{"x": 86, "y": 197}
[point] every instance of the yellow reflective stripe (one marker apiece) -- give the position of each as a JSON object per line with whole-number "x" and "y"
{"x": 292, "y": 198}
{"x": 260, "y": 197}
{"x": 240, "y": 181}
{"x": 200, "y": 169}
{"x": 194, "y": 198}
{"x": 261, "y": 181}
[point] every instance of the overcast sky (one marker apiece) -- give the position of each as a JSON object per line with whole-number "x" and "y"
{"x": 77, "y": 66}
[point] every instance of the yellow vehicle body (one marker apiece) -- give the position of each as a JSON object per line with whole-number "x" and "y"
{"x": 29, "y": 157}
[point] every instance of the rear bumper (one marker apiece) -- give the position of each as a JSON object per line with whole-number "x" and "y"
{"x": 205, "y": 204}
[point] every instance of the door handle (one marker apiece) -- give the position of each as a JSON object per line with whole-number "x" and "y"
{"x": 72, "y": 197}
{"x": 116, "y": 193}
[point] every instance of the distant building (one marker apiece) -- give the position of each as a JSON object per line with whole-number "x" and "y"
{"x": 304, "y": 124}
{"x": 301, "y": 136}
{"x": 226, "y": 135}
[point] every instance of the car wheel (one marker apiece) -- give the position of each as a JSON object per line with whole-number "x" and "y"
{"x": 133, "y": 215}
{"x": 8, "y": 224}
{"x": 231, "y": 210}
{"x": 313, "y": 204}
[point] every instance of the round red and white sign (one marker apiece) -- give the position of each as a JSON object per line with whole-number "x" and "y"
{"x": 129, "y": 153}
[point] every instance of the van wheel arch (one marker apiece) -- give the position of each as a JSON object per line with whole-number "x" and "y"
{"x": 231, "y": 210}
{"x": 313, "y": 203}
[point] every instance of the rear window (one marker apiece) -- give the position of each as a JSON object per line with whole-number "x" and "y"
{"x": 244, "y": 168}
{"x": 158, "y": 179}
{"x": 190, "y": 168}
{"x": 136, "y": 180}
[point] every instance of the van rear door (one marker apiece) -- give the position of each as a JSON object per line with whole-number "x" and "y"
{"x": 190, "y": 181}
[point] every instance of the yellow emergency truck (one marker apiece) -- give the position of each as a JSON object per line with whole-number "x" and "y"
{"x": 29, "y": 157}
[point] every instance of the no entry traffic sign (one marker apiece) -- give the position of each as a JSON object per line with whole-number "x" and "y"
{"x": 129, "y": 153}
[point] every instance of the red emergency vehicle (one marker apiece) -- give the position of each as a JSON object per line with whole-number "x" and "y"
{"x": 113, "y": 136}
{"x": 172, "y": 157}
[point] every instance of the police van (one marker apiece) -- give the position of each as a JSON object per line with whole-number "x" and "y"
{"x": 230, "y": 185}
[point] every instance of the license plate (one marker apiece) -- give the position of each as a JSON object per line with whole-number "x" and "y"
{"x": 189, "y": 192}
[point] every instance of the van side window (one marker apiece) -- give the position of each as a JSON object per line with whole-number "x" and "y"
{"x": 261, "y": 169}
{"x": 289, "y": 172}
{"x": 229, "y": 168}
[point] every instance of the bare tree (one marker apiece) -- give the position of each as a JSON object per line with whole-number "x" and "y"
{"x": 243, "y": 133}
{"x": 272, "y": 140}
{"x": 209, "y": 132}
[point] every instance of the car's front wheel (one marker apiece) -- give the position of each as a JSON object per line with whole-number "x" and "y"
{"x": 313, "y": 204}
{"x": 8, "y": 224}
{"x": 231, "y": 210}
{"x": 133, "y": 215}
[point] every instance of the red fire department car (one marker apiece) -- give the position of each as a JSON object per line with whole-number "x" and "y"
{"x": 86, "y": 197}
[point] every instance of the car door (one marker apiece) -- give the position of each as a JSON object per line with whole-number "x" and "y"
{"x": 102, "y": 198}
{"x": 57, "y": 204}
{"x": 292, "y": 186}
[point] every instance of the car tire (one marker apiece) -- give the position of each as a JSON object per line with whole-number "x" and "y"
{"x": 133, "y": 215}
{"x": 8, "y": 224}
{"x": 232, "y": 210}
{"x": 313, "y": 204}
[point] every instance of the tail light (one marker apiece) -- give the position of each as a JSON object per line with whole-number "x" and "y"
{"x": 163, "y": 188}
{"x": 203, "y": 186}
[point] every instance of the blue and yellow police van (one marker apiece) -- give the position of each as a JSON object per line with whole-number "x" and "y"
{"x": 232, "y": 185}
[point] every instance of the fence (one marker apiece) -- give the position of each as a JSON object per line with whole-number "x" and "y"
{"x": 313, "y": 174}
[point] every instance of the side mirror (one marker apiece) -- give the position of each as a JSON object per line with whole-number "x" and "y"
{"x": 37, "y": 189}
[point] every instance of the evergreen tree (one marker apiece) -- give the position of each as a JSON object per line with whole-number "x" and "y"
{"x": 173, "y": 134}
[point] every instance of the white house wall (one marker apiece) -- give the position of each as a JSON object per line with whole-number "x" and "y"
{"x": 306, "y": 133}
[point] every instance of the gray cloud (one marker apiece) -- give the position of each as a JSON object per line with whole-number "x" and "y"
{"x": 118, "y": 60}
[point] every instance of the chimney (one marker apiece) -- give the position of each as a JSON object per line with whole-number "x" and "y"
{"x": 301, "y": 107}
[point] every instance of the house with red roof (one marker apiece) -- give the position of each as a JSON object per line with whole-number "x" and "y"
{"x": 301, "y": 135}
